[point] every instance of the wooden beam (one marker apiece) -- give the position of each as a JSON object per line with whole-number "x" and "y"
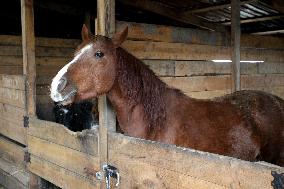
{"x": 257, "y": 19}
{"x": 216, "y": 7}
{"x": 235, "y": 45}
{"x": 28, "y": 45}
{"x": 269, "y": 32}
{"x": 174, "y": 14}
{"x": 277, "y": 5}
{"x": 105, "y": 25}
{"x": 29, "y": 67}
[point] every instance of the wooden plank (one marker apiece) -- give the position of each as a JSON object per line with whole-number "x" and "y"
{"x": 13, "y": 131}
{"x": 213, "y": 83}
{"x": 52, "y": 61}
{"x": 149, "y": 164}
{"x": 12, "y": 82}
{"x": 65, "y": 157}
{"x": 276, "y": 68}
{"x": 28, "y": 50}
{"x": 86, "y": 141}
{"x": 199, "y": 68}
{"x": 40, "y": 41}
{"x": 12, "y": 113}
{"x": 161, "y": 67}
{"x": 39, "y": 51}
{"x": 13, "y": 177}
{"x": 174, "y": 51}
{"x": 151, "y": 32}
{"x": 40, "y": 61}
{"x": 13, "y": 97}
{"x": 11, "y": 70}
{"x": 257, "y": 41}
{"x": 48, "y": 70}
{"x": 199, "y": 83}
{"x": 12, "y": 152}
{"x": 164, "y": 51}
{"x": 61, "y": 177}
{"x": 235, "y": 45}
{"x": 11, "y": 60}
{"x": 181, "y": 51}
{"x": 262, "y": 80}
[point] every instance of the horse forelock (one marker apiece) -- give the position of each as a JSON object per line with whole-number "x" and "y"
{"x": 141, "y": 86}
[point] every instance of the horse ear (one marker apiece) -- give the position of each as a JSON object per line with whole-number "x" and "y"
{"x": 85, "y": 33}
{"x": 120, "y": 37}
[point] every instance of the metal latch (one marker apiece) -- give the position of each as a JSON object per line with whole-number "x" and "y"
{"x": 27, "y": 156}
{"x": 278, "y": 182}
{"x": 111, "y": 171}
{"x": 26, "y": 121}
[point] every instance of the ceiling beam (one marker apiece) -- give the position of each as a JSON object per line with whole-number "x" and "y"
{"x": 257, "y": 19}
{"x": 269, "y": 32}
{"x": 216, "y": 7}
{"x": 159, "y": 8}
{"x": 277, "y": 5}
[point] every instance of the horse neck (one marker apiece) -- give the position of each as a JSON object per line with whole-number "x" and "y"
{"x": 137, "y": 94}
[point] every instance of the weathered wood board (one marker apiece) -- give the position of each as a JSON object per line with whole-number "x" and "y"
{"x": 13, "y": 131}
{"x": 147, "y": 164}
{"x": 12, "y": 152}
{"x": 60, "y": 176}
{"x": 61, "y": 156}
{"x": 85, "y": 142}
{"x": 13, "y": 177}
{"x": 150, "y": 32}
{"x": 12, "y": 105}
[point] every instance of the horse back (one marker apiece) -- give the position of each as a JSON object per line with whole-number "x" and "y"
{"x": 244, "y": 124}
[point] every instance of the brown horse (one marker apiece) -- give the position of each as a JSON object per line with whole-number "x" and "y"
{"x": 247, "y": 124}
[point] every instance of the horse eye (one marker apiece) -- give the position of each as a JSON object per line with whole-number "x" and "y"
{"x": 99, "y": 54}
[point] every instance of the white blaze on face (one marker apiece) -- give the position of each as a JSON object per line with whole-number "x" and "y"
{"x": 54, "y": 94}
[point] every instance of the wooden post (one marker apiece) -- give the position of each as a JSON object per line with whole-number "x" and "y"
{"x": 28, "y": 44}
{"x": 105, "y": 25}
{"x": 29, "y": 67}
{"x": 235, "y": 45}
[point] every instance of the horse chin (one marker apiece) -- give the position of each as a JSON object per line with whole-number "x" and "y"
{"x": 68, "y": 99}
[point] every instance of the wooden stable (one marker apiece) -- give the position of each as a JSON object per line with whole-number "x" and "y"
{"x": 32, "y": 148}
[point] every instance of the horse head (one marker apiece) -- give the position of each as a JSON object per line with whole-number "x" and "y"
{"x": 92, "y": 71}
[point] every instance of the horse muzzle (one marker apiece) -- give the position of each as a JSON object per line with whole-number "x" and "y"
{"x": 62, "y": 91}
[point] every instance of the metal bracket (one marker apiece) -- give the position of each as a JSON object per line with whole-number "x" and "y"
{"x": 26, "y": 121}
{"x": 27, "y": 157}
{"x": 111, "y": 171}
{"x": 278, "y": 182}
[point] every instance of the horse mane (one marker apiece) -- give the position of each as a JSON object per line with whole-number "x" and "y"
{"x": 140, "y": 85}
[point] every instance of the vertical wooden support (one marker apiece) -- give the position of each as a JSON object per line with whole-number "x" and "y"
{"x": 28, "y": 44}
{"x": 105, "y": 25}
{"x": 235, "y": 45}
{"x": 29, "y": 67}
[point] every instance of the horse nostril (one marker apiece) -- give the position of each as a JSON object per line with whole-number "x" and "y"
{"x": 62, "y": 84}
